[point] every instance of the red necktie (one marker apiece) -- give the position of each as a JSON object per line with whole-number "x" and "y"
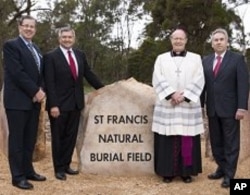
{"x": 217, "y": 65}
{"x": 72, "y": 65}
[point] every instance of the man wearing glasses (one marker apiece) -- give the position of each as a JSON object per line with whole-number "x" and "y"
{"x": 22, "y": 98}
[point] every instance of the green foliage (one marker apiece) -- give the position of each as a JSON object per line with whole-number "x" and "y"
{"x": 141, "y": 62}
{"x": 199, "y": 18}
{"x": 10, "y": 12}
{"x": 103, "y": 29}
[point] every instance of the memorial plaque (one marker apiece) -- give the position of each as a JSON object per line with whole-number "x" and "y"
{"x": 117, "y": 130}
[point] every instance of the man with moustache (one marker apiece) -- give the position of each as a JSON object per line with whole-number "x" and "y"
{"x": 178, "y": 80}
{"x": 65, "y": 68}
{"x": 22, "y": 96}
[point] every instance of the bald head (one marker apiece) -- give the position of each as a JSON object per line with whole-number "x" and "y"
{"x": 178, "y": 40}
{"x": 178, "y": 32}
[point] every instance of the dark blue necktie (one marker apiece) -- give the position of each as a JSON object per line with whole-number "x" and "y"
{"x": 31, "y": 48}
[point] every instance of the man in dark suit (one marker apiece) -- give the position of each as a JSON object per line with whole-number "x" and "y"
{"x": 65, "y": 68}
{"x": 226, "y": 95}
{"x": 22, "y": 95}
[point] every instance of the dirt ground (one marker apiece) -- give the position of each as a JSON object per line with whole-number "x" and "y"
{"x": 89, "y": 184}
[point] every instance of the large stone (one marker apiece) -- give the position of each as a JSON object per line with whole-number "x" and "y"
{"x": 115, "y": 134}
{"x": 40, "y": 147}
{"x": 4, "y": 132}
{"x": 99, "y": 149}
{"x": 245, "y": 136}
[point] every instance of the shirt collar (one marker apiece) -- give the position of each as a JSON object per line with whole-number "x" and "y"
{"x": 221, "y": 55}
{"x": 179, "y": 54}
{"x": 65, "y": 50}
{"x": 25, "y": 41}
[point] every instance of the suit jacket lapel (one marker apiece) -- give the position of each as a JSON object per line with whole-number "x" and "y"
{"x": 28, "y": 53}
{"x": 64, "y": 60}
{"x": 210, "y": 65}
{"x": 39, "y": 55}
{"x": 79, "y": 63}
{"x": 38, "y": 52}
{"x": 25, "y": 48}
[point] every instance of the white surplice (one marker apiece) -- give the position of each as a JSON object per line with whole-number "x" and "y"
{"x": 178, "y": 74}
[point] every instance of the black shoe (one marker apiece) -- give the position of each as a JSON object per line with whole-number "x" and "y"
{"x": 23, "y": 184}
{"x": 167, "y": 179}
{"x": 215, "y": 175}
{"x": 60, "y": 176}
{"x": 187, "y": 179}
{"x": 71, "y": 171}
{"x": 36, "y": 177}
{"x": 226, "y": 182}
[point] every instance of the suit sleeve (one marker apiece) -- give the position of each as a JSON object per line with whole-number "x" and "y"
{"x": 204, "y": 91}
{"x": 49, "y": 80}
{"x": 16, "y": 71}
{"x": 90, "y": 76}
{"x": 242, "y": 83}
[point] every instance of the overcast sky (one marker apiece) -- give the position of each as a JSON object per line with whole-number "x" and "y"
{"x": 244, "y": 13}
{"x": 137, "y": 29}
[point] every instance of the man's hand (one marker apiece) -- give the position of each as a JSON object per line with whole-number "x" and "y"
{"x": 177, "y": 98}
{"x": 55, "y": 112}
{"x": 239, "y": 114}
{"x": 40, "y": 95}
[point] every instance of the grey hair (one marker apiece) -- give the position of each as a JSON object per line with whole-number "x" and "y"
{"x": 219, "y": 30}
{"x": 65, "y": 29}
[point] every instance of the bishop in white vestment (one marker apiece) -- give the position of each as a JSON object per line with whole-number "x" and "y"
{"x": 178, "y": 81}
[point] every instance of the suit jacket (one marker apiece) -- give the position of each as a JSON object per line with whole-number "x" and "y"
{"x": 22, "y": 79}
{"x": 62, "y": 89}
{"x": 229, "y": 90}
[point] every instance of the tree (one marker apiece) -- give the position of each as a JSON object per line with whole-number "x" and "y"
{"x": 109, "y": 51}
{"x": 93, "y": 22}
{"x": 241, "y": 38}
{"x": 10, "y": 11}
{"x": 199, "y": 18}
{"x": 142, "y": 60}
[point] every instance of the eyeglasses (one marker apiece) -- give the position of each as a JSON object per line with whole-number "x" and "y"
{"x": 28, "y": 26}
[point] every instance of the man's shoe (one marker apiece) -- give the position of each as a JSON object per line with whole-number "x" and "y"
{"x": 23, "y": 184}
{"x": 36, "y": 177}
{"x": 226, "y": 182}
{"x": 167, "y": 179}
{"x": 71, "y": 171}
{"x": 60, "y": 176}
{"x": 215, "y": 175}
{"x": 187, "y": 179}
